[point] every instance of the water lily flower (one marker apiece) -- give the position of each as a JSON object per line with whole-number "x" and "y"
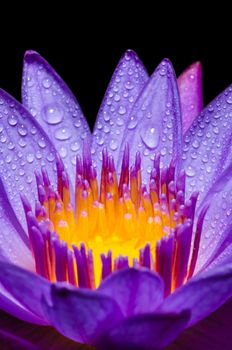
{"x": 119, "y": 239}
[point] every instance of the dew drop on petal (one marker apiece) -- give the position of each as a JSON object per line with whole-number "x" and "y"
{"x": 113, "y": 145}
{"x": 47, "y": 83}
{"x": 42, "y": 143}
{"x": 30, "y": 158}
{"x": 190, "y": 171}
{"x": 53, "y": 114}
{"x": 22, "y": 130}
{"x": 12, "y": 120}
{"x": 75, "y": 146}
{"x": 132, "y": 123}
{"x": 150, "y": 137}
{"x": 122, "y": 110}
{"x": 62, "y": 134}
{"x": 63, "y": 152}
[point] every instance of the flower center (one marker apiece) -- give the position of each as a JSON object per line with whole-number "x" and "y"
{"x": 113, "y": 223}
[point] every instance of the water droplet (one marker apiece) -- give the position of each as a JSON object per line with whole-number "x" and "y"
{"x": 29, "y": 179}
{"x": 12, "y": 120}
{"x": 38, "y": 155}
{"x": 119, "y": 121}
{"x": 11, "y": 145}
{"x": 106, "y": 129}
{"x": 75, "y": 146}
{"x": 53, "y": 114}
{"x": 196, "y": 144}
{"x": 63, "y": 134}
{"x": 129, "y": 85}
{"x": 132, "y": 123}
{"x": 63, "y": 152}
{"x": 163, "y": 151}
{"x": 8, "y": 158}
{"x": 47, "y": 83}
{"x": 22, "y": 130}
{"x": 106, "y": 116}
{"x": 150, "y": 137}
{"x": 50, "y": 157}
{"x": 190, "y": 171}
{"x": 30, "y": 157}
{"x": 77, "y": 123}
{"x": 30, "y": 81}
{"x": 22, "y": 142}
{"x": 100, "y": 141}
{"x": 122, "y": 110}
{"x": 113, "y": 145}
{"x": 42, "y": 143}
{"x": 229, "y": 99}
{"x": 117, "y": 98}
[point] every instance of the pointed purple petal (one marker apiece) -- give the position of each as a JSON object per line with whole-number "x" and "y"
{"x": 80, "y": 314}
{"x": 154, "y": 125}
{"x": 145, "y": 332}
{"x": 202, "y": 295}
{"x": 17, "y": 335}
{"x": 25, "y": 286}
{"x": 217, "y": 227}
{"x": 207, "y": 144}
{"x": 191, "y": 96}
{"x": 25, "y": 147}
{"x": 14, "y": 247}
{"x": 123, "y": 90}
{"x": 212, "y": 333}
{"x": 136, "y": 291}
{"x": 53, "y": 105}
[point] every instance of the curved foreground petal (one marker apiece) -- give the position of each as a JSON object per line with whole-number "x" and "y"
{"x": 137, "y": 291}
{"x": 121, "y": 94}
{"x": 202, "y": 295}
{"x": 154, "y": 125}
{"x": 212, "y": 333}
{"x": 26, "y": 148}
{"x": 9, "y": 304}
{"x": 79, "y": 314}
{"x": 144, "y": 332}
{"x": 19, "y": 335}
{"x": 191, "y": 97}
{"x": 26, "y": 287}
{"x": 53, "y": 105}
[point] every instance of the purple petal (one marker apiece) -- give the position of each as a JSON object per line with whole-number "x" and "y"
{"x": 25, "y": 148}
{"x": 17, "y": 335}
{"x": 14, "y": 247}
{"x": 207, "y": 145}
{"x": 51, "y": 102}
{"x": 202, "y": 295}
{"x": 25, "y": 286}
{"x": 144, "y": 332}
{"x": 217, "y": 227}
{"x": 135, "y": 290}
{"x": 212, "y": 333}
{"x": 191, "y": 96}
{"x": 9, "y": 304}
{"x": 154, "y": 125}
{"x": 80, "y": 314}
{"x": 123, "y": 90}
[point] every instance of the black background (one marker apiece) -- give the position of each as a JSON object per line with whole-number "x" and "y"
{"x": 85, "y": 48}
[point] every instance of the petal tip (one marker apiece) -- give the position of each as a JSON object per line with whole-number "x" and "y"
{"x": 31, "y": 55}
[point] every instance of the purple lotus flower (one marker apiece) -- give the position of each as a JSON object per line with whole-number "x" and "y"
{"x": 120, "y": 239}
